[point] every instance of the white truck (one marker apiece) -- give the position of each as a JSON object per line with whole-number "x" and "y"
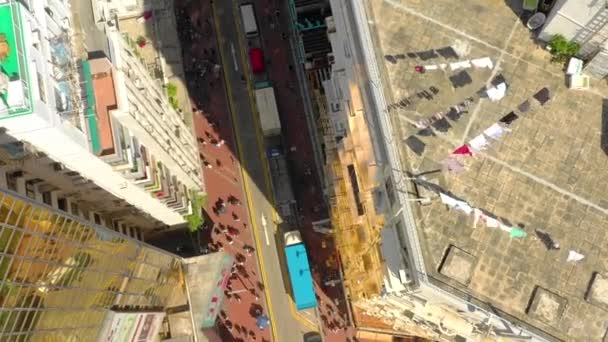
{"x": 269, "y": 114}
{"x": 250, "y": 25}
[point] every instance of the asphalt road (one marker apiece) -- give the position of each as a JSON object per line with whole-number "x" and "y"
{"x": 255, "y": 169}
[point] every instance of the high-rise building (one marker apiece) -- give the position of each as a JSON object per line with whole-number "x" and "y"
{"x": 66, "y": 279}
{"x": 96, "y": 115}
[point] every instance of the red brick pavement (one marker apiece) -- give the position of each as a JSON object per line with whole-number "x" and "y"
{"x": 307, "y": 188}
{"x": 229, "y": 230}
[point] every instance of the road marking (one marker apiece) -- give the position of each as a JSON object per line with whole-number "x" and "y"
{"x": 236, "y": 65}
{"x": 245, "y": 178}
{"x": 268, "y": 180}
{"x": 265, "y": 230}
{"x": 238, "y": 291}
{"x": 310, "y": 325}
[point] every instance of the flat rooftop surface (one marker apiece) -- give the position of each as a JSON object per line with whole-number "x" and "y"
{"x": 300, "y": 276}
{"x": 105, "y": 101}
{"x": 548, "y": 173}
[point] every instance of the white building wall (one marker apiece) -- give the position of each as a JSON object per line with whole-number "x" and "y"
{"x": 568, "y": 17}
{"x": 75, "y": 156}
{"x": 62, "y": 141}
{"x": 154, "y": 124}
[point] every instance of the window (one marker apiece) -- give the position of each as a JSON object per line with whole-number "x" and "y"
{"x": 97, "y": 218}
{"x": 46, "y": 198}
{"x": 74, "y": 208}
{"x": 30, "y": 191}
{"x": 11, "y": 181}
{"x": 62, "y": 204}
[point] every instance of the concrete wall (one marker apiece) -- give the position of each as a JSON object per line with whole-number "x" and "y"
{"x": 568, "y": 17}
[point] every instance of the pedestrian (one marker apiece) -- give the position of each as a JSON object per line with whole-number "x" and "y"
{"x": 235, "y": 217}
{"x": 207, "y": 164}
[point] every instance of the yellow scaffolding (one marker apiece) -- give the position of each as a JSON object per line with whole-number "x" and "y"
{"x": 357, "y": 236}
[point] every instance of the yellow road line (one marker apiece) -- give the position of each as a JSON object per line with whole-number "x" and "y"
{"x": 259, "y": 135}
{"x": 245, "y": 178}
{"x": 267, "y": 176}
{"x": 310, "y": 325}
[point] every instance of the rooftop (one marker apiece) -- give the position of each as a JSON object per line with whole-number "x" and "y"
{"x": 546, "y": 174}
{"x": 301, "y": 278}
{"x": 105, "y": 101}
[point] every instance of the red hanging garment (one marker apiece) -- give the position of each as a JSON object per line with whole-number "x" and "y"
{"x": 464, "y": 149}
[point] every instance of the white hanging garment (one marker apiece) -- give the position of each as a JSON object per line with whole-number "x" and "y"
{"x": 504, "y": 227}
{"x": 492, "y": 222}
{"x": 464, "y": 207}
{"x": 495, "y": 131}
{"x": 460, "y": 65}
{"x": 456, "y": 204}
{"x": 449, "y": 201}
{"x": 574, "y": 256}
{"x": 485, "y": 62}
{"x": 478, "y": 143}
{"x": 498, "y": 92}
{"x": 477, "y": 214}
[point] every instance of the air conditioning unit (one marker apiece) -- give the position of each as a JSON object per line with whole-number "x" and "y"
{"x": 58, "y": 167}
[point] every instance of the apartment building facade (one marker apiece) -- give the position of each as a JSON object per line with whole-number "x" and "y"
{"x": 64, "y": 278}
{"x": 100, "y": 120}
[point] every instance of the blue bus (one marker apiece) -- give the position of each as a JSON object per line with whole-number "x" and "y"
{"x": 302, "y": 287}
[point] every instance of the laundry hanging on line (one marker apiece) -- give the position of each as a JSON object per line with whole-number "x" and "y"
{"x": 574, "y": 256}
{"x": 479, "y": 143}
{"x": 456, "y": 204}
{"x": 495, "y": 131}
{"x": 509, "y": 118}
{"x": 452, "y": 165}
{"x": 497, "y": 93}
{"x": 518, "y": 232}
{"x": 491, "y": 222}
{"x": 462, "y": 150}
{"x": 485, "y": 62}
{"x": 479, "y": 215}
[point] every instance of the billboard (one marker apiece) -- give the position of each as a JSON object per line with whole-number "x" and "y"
{"x": 206, "y": 280}
{"x": 131, "y": 326}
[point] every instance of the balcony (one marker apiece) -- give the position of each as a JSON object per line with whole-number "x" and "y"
{"x": 15, "y": 94}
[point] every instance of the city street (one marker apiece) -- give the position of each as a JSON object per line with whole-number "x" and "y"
{"x": 273, "y": 25}
{"x": 255, "y": 173}
{"x": 228, "y": 225}
{"x": 240, "y": 208}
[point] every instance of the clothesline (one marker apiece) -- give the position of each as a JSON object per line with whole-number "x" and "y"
{"x": 495, "y": 132}
{"x": 484, "y": 62}
{"x": 498, "y": 90}
{"x": 480, "y": 216}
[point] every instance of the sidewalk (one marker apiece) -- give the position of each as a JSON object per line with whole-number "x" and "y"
{"x": 228, "y": 224}
{"x": 307, "y": 187}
